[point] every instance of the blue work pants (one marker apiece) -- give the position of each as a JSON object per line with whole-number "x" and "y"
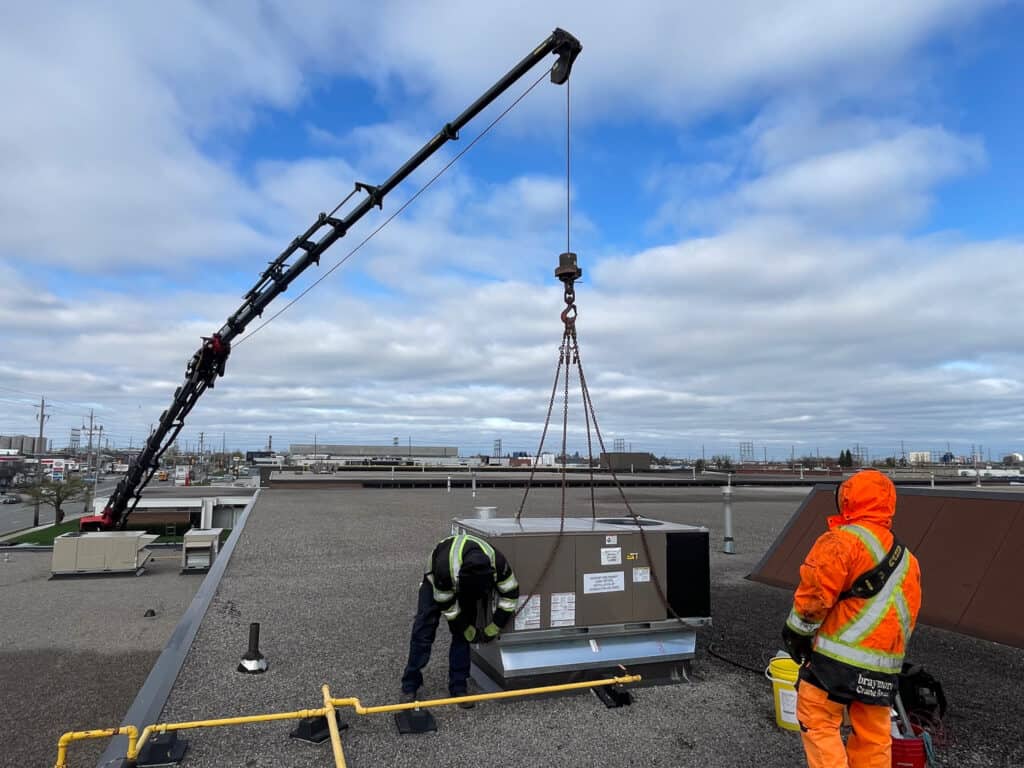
{"x": 424, "y": 628}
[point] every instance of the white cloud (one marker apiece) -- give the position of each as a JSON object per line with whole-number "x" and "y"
{"x": 885, "y": 182}
{"x": 789, "y": 320}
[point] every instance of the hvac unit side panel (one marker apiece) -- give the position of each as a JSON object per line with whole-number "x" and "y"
{"x": 689, "y": 573}
{"x": 528, "y": 555}
{"x": 647, "y": 603}
{"x": 604, "y": 593}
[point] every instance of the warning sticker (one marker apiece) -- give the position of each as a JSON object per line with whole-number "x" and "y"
{"x": 563, "y": 609}
{"x": 613, "y": 581}
{"x": 610, "y": 540}
{"x": 641, "y": 574}
{"x": 529, "y": 617}
{"x": 611, "y": 555}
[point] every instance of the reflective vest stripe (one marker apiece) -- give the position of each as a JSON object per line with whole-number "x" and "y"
{"x": 506, "y": 604}
{"x": 869, "y": 540}
{"x": 508, "y": 584}
{"x": 797, "y": 624}
{"x": 845, "y": 644}
{"x": 487, "y": 548}
{"x": 904, "y": 613}
{"x": 875, "y": 608}
{"x": 455, "y": 558}
{"x": 458, "y": 547}
{"x": 442, "y": 597}
{"x": 856, "y": 656}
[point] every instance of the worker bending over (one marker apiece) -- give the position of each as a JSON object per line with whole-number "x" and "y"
{"x": 853, "y": 613}
{"x": 464, "y": 575}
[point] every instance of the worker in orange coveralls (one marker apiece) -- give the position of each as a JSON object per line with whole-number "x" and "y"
{"x": 853, "y": 613}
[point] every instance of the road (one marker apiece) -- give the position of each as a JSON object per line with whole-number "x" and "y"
{"x": 16, "y": 517}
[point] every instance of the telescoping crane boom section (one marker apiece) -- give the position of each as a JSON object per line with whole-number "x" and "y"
{"x": 207, "y": 364}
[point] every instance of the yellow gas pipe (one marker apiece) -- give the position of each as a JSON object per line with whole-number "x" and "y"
{"x": 136, "y": 740}
{"x": 65, "y": 740}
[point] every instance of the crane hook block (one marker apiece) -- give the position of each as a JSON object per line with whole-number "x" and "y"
{"x": 568, "y": 271}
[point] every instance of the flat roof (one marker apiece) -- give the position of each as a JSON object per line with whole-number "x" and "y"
{"x": 332, "y": 578}
{"x": 74, "y": 652}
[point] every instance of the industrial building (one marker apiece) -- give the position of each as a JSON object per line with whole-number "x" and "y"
{"x": 26, "y": 444}
{"x": 327, "y": 456}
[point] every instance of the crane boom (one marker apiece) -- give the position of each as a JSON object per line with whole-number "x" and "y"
{"x": 208, "y": 362}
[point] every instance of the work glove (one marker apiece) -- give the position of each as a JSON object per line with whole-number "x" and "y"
{"x": 491, "y": 631}
{"x": 469, "y": 633}
{"x": 799, "y": 646}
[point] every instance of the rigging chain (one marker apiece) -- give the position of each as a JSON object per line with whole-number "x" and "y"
{"x": 569, "y": 354}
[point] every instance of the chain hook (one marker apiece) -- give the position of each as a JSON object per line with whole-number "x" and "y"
{"x": 568, "y": 272}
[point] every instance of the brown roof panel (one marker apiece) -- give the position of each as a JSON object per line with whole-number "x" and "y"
{"x": 970, "y": 545}
{"x": 997, "y": 607}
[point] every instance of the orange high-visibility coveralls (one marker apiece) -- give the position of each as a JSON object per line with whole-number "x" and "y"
{"x": 859, "y": 643}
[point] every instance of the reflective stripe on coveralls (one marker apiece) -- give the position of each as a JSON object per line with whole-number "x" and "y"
{"x": 845, "y": 644}
{"x": 455, "y": 555}
{"x": 800, "y": 626}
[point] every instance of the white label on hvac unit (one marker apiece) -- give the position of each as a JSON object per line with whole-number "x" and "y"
{"x": 563, "y": 609}
{"x": 529, "y": 617}
{"x": 610, "y": 540}
{"x": 613, "y": 581}
{"x": 611, "y": 556}
{"x": 641, "y": 574}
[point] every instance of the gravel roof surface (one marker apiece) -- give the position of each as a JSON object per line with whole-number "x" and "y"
{"x": 332, "y": 577}
{"x": 74, "y": 652}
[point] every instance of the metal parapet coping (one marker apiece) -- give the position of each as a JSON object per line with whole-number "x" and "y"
{"x": 150, "y": 700}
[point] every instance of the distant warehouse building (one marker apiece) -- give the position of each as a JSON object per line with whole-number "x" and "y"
{"x": 24, "y": 443}
{"x": 626, "y": 461}
{"x": 920, "y": 457}
{"x": 342, "y": 455}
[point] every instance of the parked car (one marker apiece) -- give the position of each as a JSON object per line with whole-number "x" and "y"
{"x": 9, "y": 498}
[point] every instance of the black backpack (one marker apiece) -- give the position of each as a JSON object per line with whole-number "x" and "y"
{"x": 921, "y": 694}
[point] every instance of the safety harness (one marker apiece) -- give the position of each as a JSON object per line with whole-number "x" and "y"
{"x": 870, "y": 583}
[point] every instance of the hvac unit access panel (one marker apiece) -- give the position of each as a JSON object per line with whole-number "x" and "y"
{"x": 600, "y": 573}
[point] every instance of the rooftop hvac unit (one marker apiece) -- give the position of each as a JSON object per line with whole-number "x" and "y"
{"x": 199, "y": 549}
{"x": 604, "y": 602}
{"x": 79, "y": 554}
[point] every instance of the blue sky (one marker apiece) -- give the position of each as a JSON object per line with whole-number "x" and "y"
{"x": 799, "y": 225}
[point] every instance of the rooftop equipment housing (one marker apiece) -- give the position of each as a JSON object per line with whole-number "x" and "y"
{"x": 598, "y": 607}
{"x": 107, "y": 552}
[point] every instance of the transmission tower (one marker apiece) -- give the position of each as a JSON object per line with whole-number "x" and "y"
{"x": 746, "y": 453}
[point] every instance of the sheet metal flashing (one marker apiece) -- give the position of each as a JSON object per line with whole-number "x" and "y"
{"x": 150, "y": 700}
{"x": 970, "y": 544}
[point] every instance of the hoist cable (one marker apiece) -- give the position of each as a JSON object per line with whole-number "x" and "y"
{"x": 401, "y": 208}
{"x": 568, "y": 209}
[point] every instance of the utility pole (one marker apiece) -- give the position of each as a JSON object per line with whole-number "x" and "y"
{"x": 90, "y": 486}
{"x": 42, "y": 416}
